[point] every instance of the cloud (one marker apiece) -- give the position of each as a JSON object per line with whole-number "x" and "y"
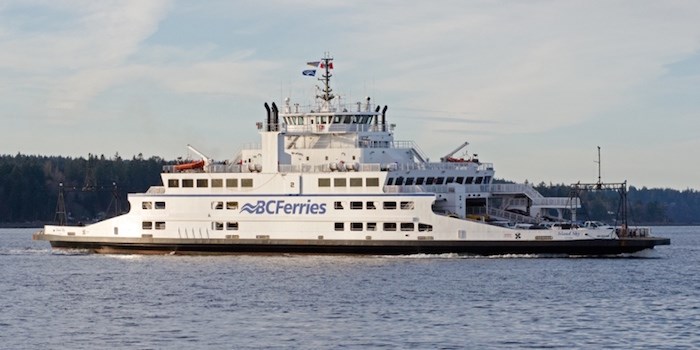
{"x": 84, "y": 54}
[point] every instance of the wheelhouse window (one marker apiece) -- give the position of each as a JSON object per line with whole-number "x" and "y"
{"x": 231, "y": 183}
{"x": 469, "y": 181}
{"x": 430, "y": 181}
{"x": 399, "y": 181}
{"x": 479, "y": 179}
{"x": 450, "y": 180}
{"x": 324, "y": 182}
{"x": 231, "y": 205}
{"x": 202, "y": 183}
{"x": 439, "y": 180}
{"x": 340, "y": 182}
{"x": 355, "y": 205}
{"x": 187, "y": 183}
{"x": 173, "y": 183}
{"x": 390, "y": 205}
{"x": 419, "y": 181}
{"x": 217, "y": 183}
{"x": 247, "y": 183}
{"x": 460, "y": 179}
{"x": 487, "y": 180}
{"x": 409, "y": 181}
{"x": 407, "y": 205}
{"x": 355, "y": 182}
{"x": 390, "y": 181}
{"x": 160, "y": 205}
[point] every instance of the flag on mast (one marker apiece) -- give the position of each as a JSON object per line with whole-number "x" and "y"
{"x": 313, "y": 64}
{"x": 323, "y": 65}
{"x": 309, "y": 72}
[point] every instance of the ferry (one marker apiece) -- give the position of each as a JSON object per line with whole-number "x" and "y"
{"x": 329, "y": 178}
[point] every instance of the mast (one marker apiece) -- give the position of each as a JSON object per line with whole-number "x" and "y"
{"x": 599, "y": 181}
{"x": 326, "y": 91}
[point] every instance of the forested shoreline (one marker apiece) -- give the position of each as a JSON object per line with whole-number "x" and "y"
{"x": 29, "y": 190}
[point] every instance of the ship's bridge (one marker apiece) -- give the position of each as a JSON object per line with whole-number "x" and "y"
{"x": 325, "y": 118}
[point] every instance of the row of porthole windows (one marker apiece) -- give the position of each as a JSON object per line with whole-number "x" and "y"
{"x": 405, "y": 205}
{"x": 387, "y": 226}
{"x": 149, "y": 205}
{"x": 148, "y": 225}
{"x": 228, "y": 226}
{"x": 439, "y": 180}
{"x": 217, "y": 205}
{"x": 215, "y": 183}
{"x": 351, "y": 182}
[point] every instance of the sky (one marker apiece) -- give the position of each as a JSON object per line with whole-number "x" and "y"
{"x": 535, "y": 86}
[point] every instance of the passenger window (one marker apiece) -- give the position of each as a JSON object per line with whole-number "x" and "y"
{"x": 407, "y": 226}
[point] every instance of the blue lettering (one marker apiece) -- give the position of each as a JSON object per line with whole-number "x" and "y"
{"x": 274, "y": 207}
{"x": 268, "y": 207}
{"x": 260, "y": 207}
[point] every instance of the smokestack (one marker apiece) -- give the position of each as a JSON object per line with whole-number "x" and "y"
{"x": 268, "y": 120}
{"x": 275, "y": 117}
{"x": 384, "y": 118}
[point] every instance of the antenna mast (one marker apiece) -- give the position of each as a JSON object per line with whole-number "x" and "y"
{"x": 326, "y": 65}
{"x": 599, "y": 183}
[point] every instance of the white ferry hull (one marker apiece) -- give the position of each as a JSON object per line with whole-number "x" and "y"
{"x": 591, "y": 247}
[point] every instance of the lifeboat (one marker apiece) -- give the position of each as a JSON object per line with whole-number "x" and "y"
{"x": 189, "y": 166}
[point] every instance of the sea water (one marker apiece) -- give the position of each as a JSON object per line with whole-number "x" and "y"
{"x": 73, "y": 300}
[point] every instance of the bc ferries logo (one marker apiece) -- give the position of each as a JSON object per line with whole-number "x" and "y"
{"x": 274, "y": 207}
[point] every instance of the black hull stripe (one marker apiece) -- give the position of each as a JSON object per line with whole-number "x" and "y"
{"x": 216, "y": 246}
